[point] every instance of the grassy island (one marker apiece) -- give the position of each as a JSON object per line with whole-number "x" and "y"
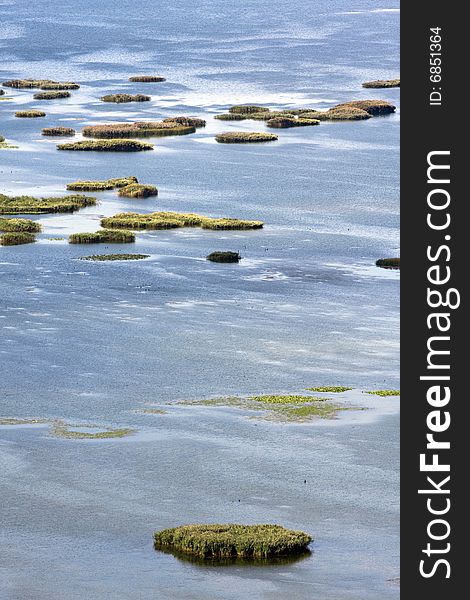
{"x": 16, "y": 238}
{"x": 138, "y": 190}
{"x": 103, "y": 236}
{"x": 114, "y": 257}
{"x": 100, "y": 186}
{"x": 147, "y": 79}
{"x": 388, "y": 263}
{"x": 225, "y": 541}
{"x": 19, "y": 225}
{"x": 112, "y": 145}
{"x": 54, "y": 95}
{"x": 242, "y": 137}
{"x": 170, "y": 220}
{"x": 58, "y": 131}
{"x": 330, "y": 389}
{"x": 286, "y": 122}
{"x": 230, "y": 117}
{"x": 29, "y": 114}
{"x": 10, "y": 205}
{"x": 137, "y": 129}
{"x": 373, "y": 107}
{"x": 384, "y": 393}
{"x": 245, "y": 109}
{"x": 60, "y": 85}
{"x": 27, "y": 83}
{"x": 187, "y": 121}
{"x": 224, "y": 257}
{"x": 382, "y": 83}
{"x": 122, "y": 98}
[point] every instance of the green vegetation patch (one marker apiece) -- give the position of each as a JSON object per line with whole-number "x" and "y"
{"x": 373, "y": 107}
{"x": 25, "y": 421}
{"x": 388, "y": 263}
{"x": 53, "y": 95}
{"x": 170, "y": 220}
{"x": 122, "y": 98}
{"x": 247, "y": 109}
{"x": 382, "y": 83}
{"x": 245, "y": 137}
{"x": 384, "y": 393}
{"x": 291, "y": 399}
{"x": 285, "y": 122}
{"x": 330, "y": 389}
{"x": 230, "y": 117}
{"x": 232, "y": 540}
{"x": 19, "y": 225}
{"x": 60, "y": 85}
{"x": 103, "y": 236}
{"x": 138, "y": 190}
{"x": 17, "y": 238}
{"x": 187, "y": 121}
{"x": 113, "y": 145}
{"x": 58, "y": 131}
{"x": 114, "y": 257}
{"x": 224, "y": 257}
{"x": 147, "y": 79}
{"x": 10, "y": 205}
{"x": 137, "y": 129}
{"x": 99, "y": 186}
{"x": 29, "y": 114}
{"x": 65, "y": 431}
{"x": 27, "y": 83}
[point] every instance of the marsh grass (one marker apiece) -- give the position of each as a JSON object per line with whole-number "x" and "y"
{"x": 60, "y": 85}
{"x": 58, "y": 131}
{"x": 373, "y": 107}
{"x": 286, "y": 122}
{"x": 138, "y": 190}
{"x": 245, "y": 137}
{"x": 267, "y": 116}
{"x": 27, "y": 83}
{"x": 19, "y": 225}
{"x": 25, "y": 421}
{"x": 100, "y": 186}
{"x": 10, "y": 205}
{"x": 123, "y": 98}
{"x": 147, "y": 79}
{"x": 170, "y": 220}
{"x": 233, "y": 540}
{"x": 382, "y": 83}
{"x": 114, "y": 257}
{"x": 245, "y": 109}
{"x": 137, "y": 129}
{"x": 112, "y": 145}
{"x": 187, "y": 121}
{"x": 330, "y": 389}
{"x": 224, "y": 257}
{"x": 54, "y": 95}
{"x": 388, "y": 263}
{"x": 384, "y": 393}
{"x": 103, "y": 236}
{"x": 290, "y": 399}
{"x": 29, "y": 114}
{"x": 66, "y": 431}
{"x": 17, "y": 238}
{"x": 230, "y": 117}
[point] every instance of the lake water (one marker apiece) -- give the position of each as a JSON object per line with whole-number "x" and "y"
{"x": 97, "y": 343}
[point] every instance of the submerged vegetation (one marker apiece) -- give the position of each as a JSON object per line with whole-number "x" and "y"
{"x": 121, "y": 98}
{"x": 382, "y": 83}
{"x": 58, "y": 131}
{"x": 99, "y": 186}
{"x": 63, "y": 430}
{"x": 137, "y": 129}
{"x": 224, "y": 257}
{"x": 19, "y": 225}
{"x": 388, "y": 263}
{"x": 138, "y": 190}
{"x": 170, "y": 220}
{"x": 286, "y": 399}
{"x": 146, "y": 79}
{"x": 103, "y": 236}
{"x": 384, "y": 393}
{"x": 220, "y": 541}
{"x": 16, "y": 238}
{"x": 245, "y": 137}
{"x": 10, "y": 205}
{"x": 53, "y": 95}
{"x": 29, "y": 114}
{"x": 113, "y": 145}
{"x": 114, "y": 257}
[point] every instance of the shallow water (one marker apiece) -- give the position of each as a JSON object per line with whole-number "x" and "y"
{"x": 95, "y": 343}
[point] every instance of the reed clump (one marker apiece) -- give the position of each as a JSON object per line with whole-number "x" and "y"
{"x": 233, "y": 540}
{"x": 10, "y": 205}
{"x": 373, "y": 107}
{"x": 147, "y": 79}
{"x": 29, "y": 114}
{"x": 224, "y": 257}
{"x": 66, "y": 431}
{"x": 230, "y": 117}
{"x": 58, "y": 131}
{"x": 138, "y": 190}
{"x": 27, "y": 83}
{"x": 171, "y": 220}
{"x": 111, "y": 145}
{"x": 17, "y": 238}
{"x": 286, "y": 122}
{"x": 100, "y": 186}
{"x": 19, "y": 225}
{"x": 103, "y": 236}
{"x": 388, "y": 263}
{"x": 245, "y": 137}
{"x": 54, "y": 95}
{"x": 381, "y": 83}
{"x": 123, "y": 98}
{"x": 60, "y": 85}
{"x": 114, "y": 257}
{"x": 247, "y": 109}
{"x": 137, "y": 129}
{"x": 187, "y": 121}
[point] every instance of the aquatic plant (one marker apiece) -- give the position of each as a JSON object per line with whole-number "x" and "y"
{"x": 285, "y": 122}
{"x": 19, "y": 225}
{"x": 388, "y": 263}
{"x": 289, "y": 399}
{"x": 29, "y": 114}
{"x": 305, "y": 412}
{"x": 170, "y": 220}
{"x": 137, "y": 129}
{"x": 99, "y": 186}
{"x": 245, "y": 137}
{"x": 330, "y": 389}
{"x": 138, "y": 190}
{"x": 114, "y": 257}
{"x": 382, "y": 83}
{"x": 147, "y": 79}
{"x": 60, "y": 85}
{"x": 51, "y": 95}
{"x": 16, "y": 238}
{"x": 373, "y": 107}
{"x": 120, "y": 98}
{"x": 65, "y": 431}
{"x": 247, "y": 109}
{"x": 384, "y": 392}
{"x": 103, "y": 236}
{"x": 268, "y": 115}
{"x": 219, "y": 541}
{"x": 187, "y": 121}
{"x": 112, "y": 145}
{"x": 10, "y": 205}
{"x": 230, "y": 117}
{"x": 224, "y": 257}
{"x": 58, "y": 131}
{"x": 27, "y": 83}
